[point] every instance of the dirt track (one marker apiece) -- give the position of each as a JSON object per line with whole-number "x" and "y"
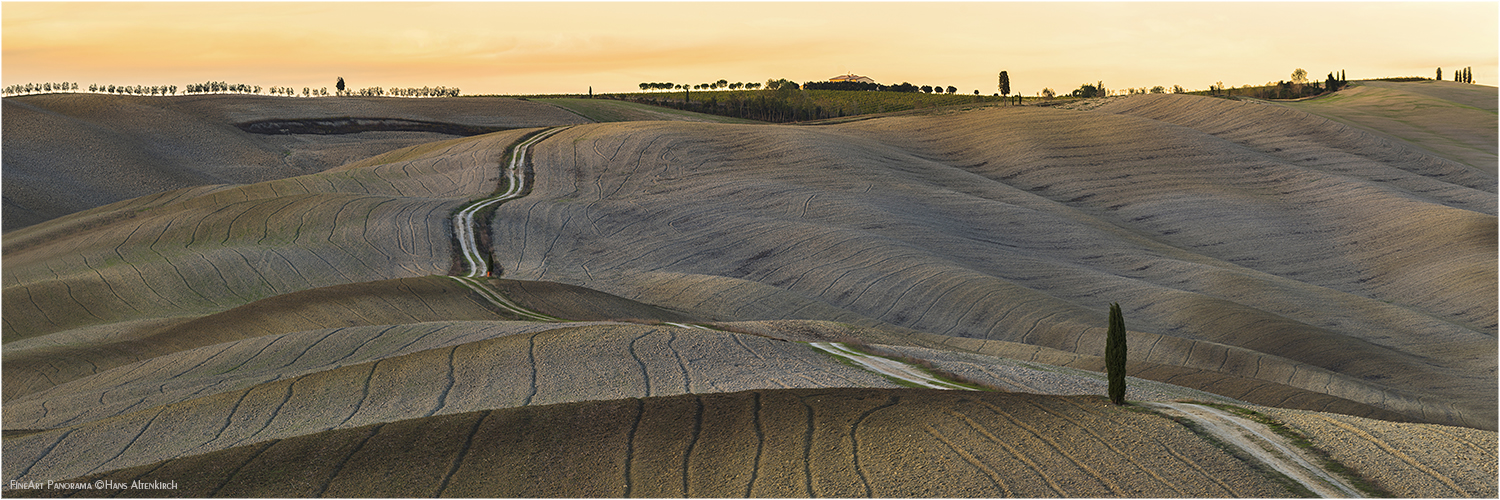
{"x": 1258, "y": 441}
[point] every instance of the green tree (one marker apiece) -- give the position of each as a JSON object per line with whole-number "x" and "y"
{"x": 1004, "y": 83}
{"x": 927, "y": 89}
{"x": 1086, "y": 90}
{"x": 1114, "y": 355}
{"x": 340, "y": 85}
{"x": 952, "y": 89}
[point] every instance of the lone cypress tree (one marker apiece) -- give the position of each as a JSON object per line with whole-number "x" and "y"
{"x": 1114, "y": 355}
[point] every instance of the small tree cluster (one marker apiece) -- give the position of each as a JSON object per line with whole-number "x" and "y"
{"x": 423, "y": 92}
{"x": 220, "y": 88}
{"x": 1335, "y": 82}
{"x": 1465, "y": 75}
{"x": 135, "y": 90}
{"x": 1087, "y": 90}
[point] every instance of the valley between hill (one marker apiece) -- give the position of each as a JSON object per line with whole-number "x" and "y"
{"x": 1337, "y": 280}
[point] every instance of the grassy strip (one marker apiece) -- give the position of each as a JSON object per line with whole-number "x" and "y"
{"x": 1297, "y": 489}
{"x": 609, "y": 110}
{"x": 1325, "y": 460}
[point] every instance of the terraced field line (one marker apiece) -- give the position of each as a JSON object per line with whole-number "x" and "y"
{"x": 886, "y": 366}
{"x": 1264, "y": 445}
{"x": 463, "y": 221}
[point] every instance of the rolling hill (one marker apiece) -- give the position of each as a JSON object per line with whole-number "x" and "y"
{"x": 70, "y": 152}
{"x": 1314, "y": 270}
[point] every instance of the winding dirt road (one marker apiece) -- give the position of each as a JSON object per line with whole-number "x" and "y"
{"x": 1262, "y": 443}
{"x": 464, "y": 231}
{"x": 463, "y": 221}
{"x": 1255, "y": 439}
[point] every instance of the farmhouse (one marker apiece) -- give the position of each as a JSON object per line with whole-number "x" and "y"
{"x": 851, "y": 78}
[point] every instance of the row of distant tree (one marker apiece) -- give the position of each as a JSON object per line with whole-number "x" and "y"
{"x": 776, "y": 84}
{"x": 229, "y": 88}
{"x": 1465, "y": 75}
{"x": 721, "y": 84}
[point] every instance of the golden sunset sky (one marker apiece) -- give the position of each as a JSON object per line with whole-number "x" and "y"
{"x": 567, "y": 47}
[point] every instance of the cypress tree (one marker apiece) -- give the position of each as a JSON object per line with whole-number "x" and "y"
{"x": 1114, "y": 355}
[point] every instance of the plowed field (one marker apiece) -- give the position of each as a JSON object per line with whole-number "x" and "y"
{"x": 784, "y": 443}
{"x": 658, "y": 285}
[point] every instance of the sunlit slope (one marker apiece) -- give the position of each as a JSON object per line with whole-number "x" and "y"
{"x": 203, "y": 250}
{"x": 70, "y": 152}
{"x": 1370, "y": 278}
{"x": 1456, "y": 121}
{"x": 281, "y": 386}
{"x": 781, "y": 443}
{"x": 38, "y": 363}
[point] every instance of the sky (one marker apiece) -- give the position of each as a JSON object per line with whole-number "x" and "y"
{"x": 569, "y": 47}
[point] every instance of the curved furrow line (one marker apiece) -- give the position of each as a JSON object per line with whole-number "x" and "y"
{"x": 1362, "y": 434}
{"x": 1061, "y": 450}
{"x": 74, "y": 298}
{"x": 269, "y": 420}
{"x": 442, "y": 400}
{"x": 692, "y": 443}
{"x": 854, "y": 443}
{"x": 1490, "y": 452}
{"x": 364, "y": 395}
{"x": 229, "y": 478}
{"x": 807, "y": 440}
{"x": 343, "y": 462}
{"x": 365, "y": 234}
{"x": 458, "y": 459}
{"x": 983, "y": 431}
{"x": 111, "y": 286}
{"x": 645, "y": 375}
{"x": 43, "y": 455}
{"x": 532, "y": 365}
{"x": 1106, "y": 441}
{"x": 760, "y": 444}
{"x": 1133, "y": 431}
{"x": 635, "y": 425}
{"x": 228, "y": 419}
{"x": 127, "y": 446}
{"x": 989, "y": 472}
{"x": 682, "y": 363}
